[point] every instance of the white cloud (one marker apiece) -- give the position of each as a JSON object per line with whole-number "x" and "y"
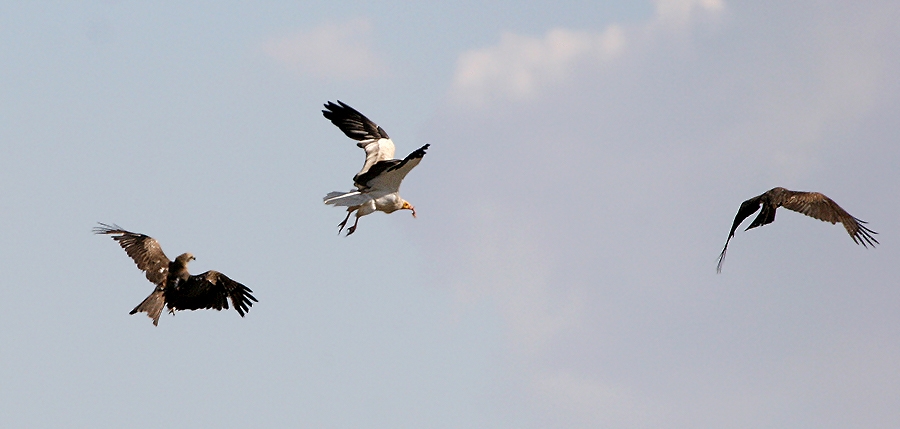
{"x": 680, "y": 12}
{"x": 520, "y": 66}
{"x": 331, "y": 51}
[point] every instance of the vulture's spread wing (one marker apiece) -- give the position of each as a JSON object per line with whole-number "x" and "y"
{"x": 816, "y": 205}
{"x": 371, "y": 137}
{"x": 145, "y": 251}
{"x": 210, "y": 290}
{"x": 387, "y": 175}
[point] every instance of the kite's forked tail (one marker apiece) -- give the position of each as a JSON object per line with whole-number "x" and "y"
{"x": 152, "y": 305}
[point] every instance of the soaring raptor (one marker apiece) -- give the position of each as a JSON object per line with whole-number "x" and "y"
{"x": 378, "y": 183}
{"x": 812, "y": 204}
{"x": 175, "y": 287}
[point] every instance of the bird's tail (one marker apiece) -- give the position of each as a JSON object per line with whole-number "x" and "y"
{"x": 346, "y": 199}
{"x": 152, "y": 305}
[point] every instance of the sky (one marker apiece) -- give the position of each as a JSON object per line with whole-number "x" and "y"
{"x": 586, "y": 163}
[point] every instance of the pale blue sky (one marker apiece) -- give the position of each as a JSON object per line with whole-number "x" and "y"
{"x": 587, "y": 160}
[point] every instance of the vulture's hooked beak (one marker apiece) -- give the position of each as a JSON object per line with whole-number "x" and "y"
{"x": 408, "y": 206}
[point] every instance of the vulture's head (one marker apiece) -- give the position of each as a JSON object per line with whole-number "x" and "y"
{"x": 408, "y": 206}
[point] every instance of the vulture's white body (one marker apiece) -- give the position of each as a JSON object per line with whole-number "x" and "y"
{"x": 378, "y": 182}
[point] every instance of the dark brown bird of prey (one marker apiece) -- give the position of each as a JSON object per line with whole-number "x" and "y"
{"x": 812, "y": 204}
{"x": 378, "y": 183}
{"x": 175, "y": 287}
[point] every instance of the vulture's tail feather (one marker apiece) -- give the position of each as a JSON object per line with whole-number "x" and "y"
{"x": 346, "y": 199}
{"x": 152, "y": 305}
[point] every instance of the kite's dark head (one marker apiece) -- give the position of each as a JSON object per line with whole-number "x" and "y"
{"x": 184, "y": 258}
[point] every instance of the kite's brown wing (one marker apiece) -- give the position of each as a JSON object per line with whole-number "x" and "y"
{"x": 145, "y": 251}
{"x": 210, "y": 290}
{"x": 814, "y": 204}
{"x": 747, "y": 208}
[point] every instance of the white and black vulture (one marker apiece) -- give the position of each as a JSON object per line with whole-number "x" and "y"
{"x": 378, "y": 183}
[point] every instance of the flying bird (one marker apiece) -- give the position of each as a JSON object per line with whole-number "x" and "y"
{"x": 378, "y": 183}
{"x": 175, "y": 287}
{"x": 812, "y": 204}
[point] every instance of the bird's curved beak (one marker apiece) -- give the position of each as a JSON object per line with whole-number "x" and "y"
{"x": 408, "y": 206}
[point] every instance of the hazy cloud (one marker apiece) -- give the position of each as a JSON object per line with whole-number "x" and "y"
{"x": 680, "y": 12}
{"x": 330, "y": 51}
{"x": 581, "y": 402}
{"x": 519, "y": 66}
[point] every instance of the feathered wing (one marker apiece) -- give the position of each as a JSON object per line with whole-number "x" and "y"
{"x": 372, "y": 138}
{"x": 211, "y": 289}
{"x": 747, "y": 208}
{"x": 387, "y": 175}
{"x": 144, "y": 250}
{"x": 812, "y": 204}
{"x": 817, "y": 205}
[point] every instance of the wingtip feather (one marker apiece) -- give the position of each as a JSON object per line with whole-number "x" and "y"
{"x": 107, "y": 229}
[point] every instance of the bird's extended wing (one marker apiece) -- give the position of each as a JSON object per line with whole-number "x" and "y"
{"x": 144, "y": 250}
{"x": 747, "y": 208}
{"x": 817, "y": 205}
{"x": 210, "y": 290}
{"x": 387, "y": 175}
{"x": 371, "y": 137}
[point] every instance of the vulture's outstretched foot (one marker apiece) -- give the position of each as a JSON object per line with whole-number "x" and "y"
{"x": 344, "y": 223}
{"x": 352, "y": 229}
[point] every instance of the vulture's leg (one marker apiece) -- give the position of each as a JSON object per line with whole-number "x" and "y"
{"x": 344, "y": 223}
{"x": 362, "y": 210}
{"x": 352, "y": 229}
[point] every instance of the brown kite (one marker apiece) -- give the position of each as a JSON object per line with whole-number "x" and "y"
{"x": 175, "y": 287}
{"x": 812, "y": 204}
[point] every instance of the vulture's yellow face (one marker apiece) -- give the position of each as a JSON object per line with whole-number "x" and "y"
{"x": 408, "y": 206}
